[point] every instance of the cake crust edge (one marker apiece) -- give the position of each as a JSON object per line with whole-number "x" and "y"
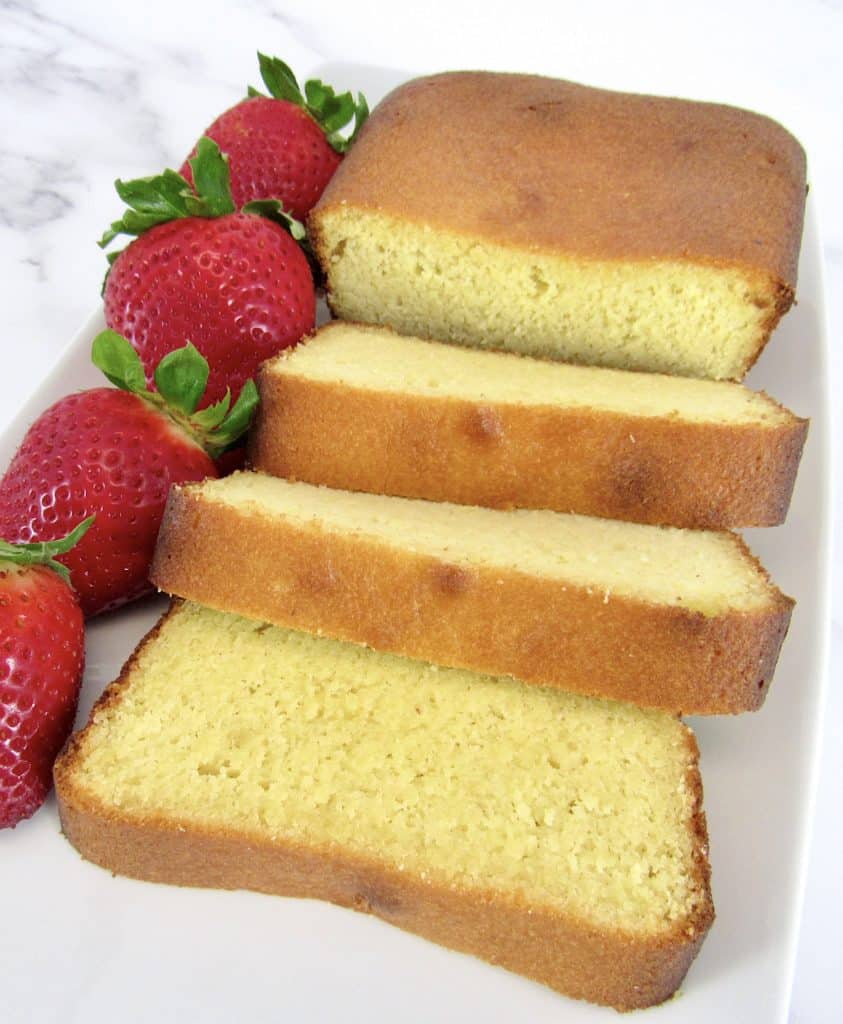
{"x": 424, "y": 115}
{"x": 704, "y": 184}
{"x": 653, "y": 470}
{"x": 498, "y": 622}
{"x": 570, "y": 955}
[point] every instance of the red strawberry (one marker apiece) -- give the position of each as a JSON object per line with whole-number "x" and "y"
{"x": 42, "y": 654}
{"x": 288, "y": 146}
{"x": 116, "y": 453}
{"x": 236, "y": 285}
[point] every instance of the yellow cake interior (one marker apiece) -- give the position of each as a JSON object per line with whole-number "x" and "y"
{"x": 704, "y": 571}
{"x": 468, "y": 780}
{"x": 664, "y": 316}
{"x": 375, "y": 359}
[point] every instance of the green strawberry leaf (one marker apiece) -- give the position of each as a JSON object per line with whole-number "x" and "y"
{"x": 112, "y": 354}
{"x": 280, "y": 80}
{"x": 169, "y": 196}
{"x": 211, "y": 180}
{"x": 273, "y": 209}
{"x": 162, "y": 195}
{"x": 332, "y": 112}
{"x": 217, "y": 429}
{"x": 338, "y": 111}
{"x": 317, "y": 94}
{"x": 151, "y": 201}
{"x": 210, "y": 417}
{"x": 181, "y": 378}
{"x": 131, "y": 223}
{"x": 238, "y": 420}
{"x": 45, "y": 552}
{"x": 361, "y": 113}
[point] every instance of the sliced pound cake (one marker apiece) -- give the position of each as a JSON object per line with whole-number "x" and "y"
{"x": 365, "y": 409}
{"x": 556, "y": 836}
{"x": 556, "y": 220}
{"x": 678, "y": 619}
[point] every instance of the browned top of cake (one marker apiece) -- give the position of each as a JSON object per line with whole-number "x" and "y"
{"x": 538, "y": 162}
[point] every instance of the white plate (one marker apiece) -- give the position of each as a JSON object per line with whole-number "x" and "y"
{"x": 78, "y": 945}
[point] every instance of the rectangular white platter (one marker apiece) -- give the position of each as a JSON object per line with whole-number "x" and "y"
{"x": 78, "y": 945}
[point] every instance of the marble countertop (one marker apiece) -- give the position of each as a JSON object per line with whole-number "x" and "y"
{"x": 94, "y": 90}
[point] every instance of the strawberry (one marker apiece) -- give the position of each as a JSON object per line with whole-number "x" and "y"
{"x": 286, "y": 145}
{"x": 237, "y": 285}
{"x": 114, "y": 453}
{"x": 42, "y": 654}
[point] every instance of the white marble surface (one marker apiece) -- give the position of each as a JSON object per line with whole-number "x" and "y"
{"x": 94, "y": 90}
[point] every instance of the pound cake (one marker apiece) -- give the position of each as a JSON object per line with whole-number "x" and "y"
{"x": 558, "y": 220}
{"x": 421, "y": 419}
{"x": 682, "y": 620}
{"x": 556, "y": 836}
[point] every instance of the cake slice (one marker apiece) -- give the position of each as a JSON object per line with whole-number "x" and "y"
{"x": 557, "y": 220}
{"x": 682, "y": 620}
{"x": 556, "y": 836}
{"x": 365, "y": 409}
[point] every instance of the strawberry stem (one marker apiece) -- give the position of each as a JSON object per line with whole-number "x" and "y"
{"x": 168, "y": 196}
{"x": 45, "y": 552}
{"x": 332, "y": 112}
{"x": 180, "y": 379}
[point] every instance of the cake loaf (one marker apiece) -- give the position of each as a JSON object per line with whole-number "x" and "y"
{"x": 557, "y": 220}
{"x": 682, "y": 620}
{"x": 365, "y": 409}
{"x": 556, "y": 836}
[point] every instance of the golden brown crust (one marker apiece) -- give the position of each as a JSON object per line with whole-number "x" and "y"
{"x": 568, "y": 954}
{"x": 571, "y": 957}
{"x": 497, "y": 622}
{"x": 549, "y": 165}
{"x": 643, "y": 469}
